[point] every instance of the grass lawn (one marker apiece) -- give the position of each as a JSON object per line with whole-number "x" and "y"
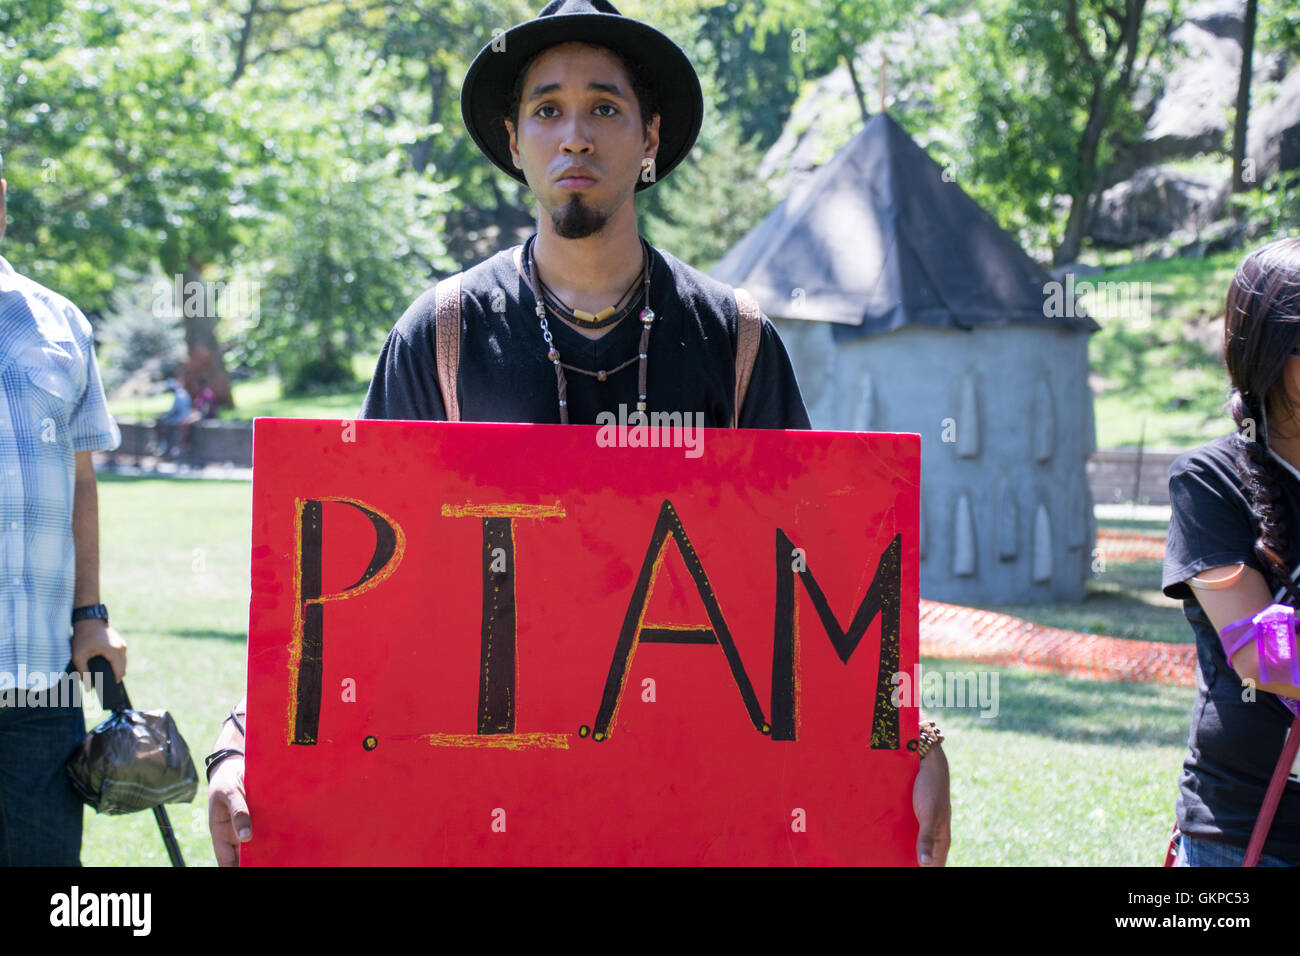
{"x": 1069, "y": 771}
{"x": 1144, "y": 526}
{"x": 261, "y": 398}
{"x": 174, "y": 569}
{"x": 1161, "y": 378}
{"x": 1123, "y": 600}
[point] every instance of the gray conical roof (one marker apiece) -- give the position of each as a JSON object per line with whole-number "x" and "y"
{"x": 877, "y": 239}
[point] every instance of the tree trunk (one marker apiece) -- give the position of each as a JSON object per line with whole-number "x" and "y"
{"x": 857, "y": 86}
{"x": 437, "y": 82}
{"x": 1085, "y": 181}
{"x": 1072, "y": 240}
{"x": 245, "y": 34}
{"x": 1100, "y": 107}
{"x": 1243, "y": 178}
{"x": 204, "y": 368}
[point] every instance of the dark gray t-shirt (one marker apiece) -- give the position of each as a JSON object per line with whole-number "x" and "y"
{"x": 1234, "y": 743}
{"x": 505, "y": 375}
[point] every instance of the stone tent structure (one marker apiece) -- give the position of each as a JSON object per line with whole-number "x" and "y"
{"x": 907, "y": 309}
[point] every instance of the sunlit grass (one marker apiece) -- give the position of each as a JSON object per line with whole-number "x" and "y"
{"x": 1160, "y": 374}
{"x": 1069, "y": 773}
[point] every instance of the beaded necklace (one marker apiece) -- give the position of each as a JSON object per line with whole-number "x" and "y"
{"x": 647, "y": 321}
{"x": 610, "y": 315}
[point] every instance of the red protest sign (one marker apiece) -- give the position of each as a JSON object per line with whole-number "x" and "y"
{"x": 516, "y": 644}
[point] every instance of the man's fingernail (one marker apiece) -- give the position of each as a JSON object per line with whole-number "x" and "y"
{"x": 925, "y": 858}
{"x": 245, "y": 833}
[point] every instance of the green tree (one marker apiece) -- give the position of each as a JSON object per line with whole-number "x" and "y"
{"x": 715, "y": 196}
{"x": 708, "y": 204}
{"x": 826, "y": 33}
{"x": 128, "y": 157}
{"x": 363, "y": 237}
{"x": 1279, "y": 26}
{"x": 1041, "y": 96}
{"x": 756, "y": 76}
{"x": 429, "y": 44}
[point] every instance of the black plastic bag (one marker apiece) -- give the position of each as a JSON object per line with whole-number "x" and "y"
{"x": 134, "y": 760}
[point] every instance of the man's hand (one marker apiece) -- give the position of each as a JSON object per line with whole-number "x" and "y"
{"x": 228, "y": 818}
{"x": 94, "y": 638}
{"x": 933, "y": 809}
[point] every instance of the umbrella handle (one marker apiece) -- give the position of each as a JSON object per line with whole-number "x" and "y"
{"x": 112, "y": 694}
{"x": 169, "y": 838}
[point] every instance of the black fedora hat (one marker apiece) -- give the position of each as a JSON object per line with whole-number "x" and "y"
{"x": 486, "y": 91}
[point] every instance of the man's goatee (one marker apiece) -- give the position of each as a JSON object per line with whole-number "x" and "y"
{"x": 577, "y": 220}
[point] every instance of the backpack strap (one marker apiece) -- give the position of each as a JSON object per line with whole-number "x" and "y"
{"x": 447, "y": 342}
{"x": 749, "y": 332}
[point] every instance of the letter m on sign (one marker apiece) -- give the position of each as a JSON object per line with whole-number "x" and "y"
{"x": 883, "y": 600}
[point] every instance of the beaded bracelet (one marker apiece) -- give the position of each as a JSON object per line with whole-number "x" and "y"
{"x": 930, "y": 737}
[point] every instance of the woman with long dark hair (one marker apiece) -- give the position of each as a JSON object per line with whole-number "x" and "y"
{"x": 1233, "y": 556}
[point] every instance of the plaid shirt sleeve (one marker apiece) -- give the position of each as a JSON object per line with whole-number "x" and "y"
{"x": 93, "y": 428}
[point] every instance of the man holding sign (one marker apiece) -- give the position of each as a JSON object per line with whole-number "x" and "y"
{"x": 586, "y": 107}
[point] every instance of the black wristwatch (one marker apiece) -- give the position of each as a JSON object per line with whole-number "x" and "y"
{"x": 98, "y": 611}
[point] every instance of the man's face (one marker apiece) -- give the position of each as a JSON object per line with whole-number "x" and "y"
{"x": 580, "y": 141}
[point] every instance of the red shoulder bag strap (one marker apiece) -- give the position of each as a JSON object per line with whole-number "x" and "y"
{"x": 446, "y": 296}
{"x": 1274, "y": 795}
{"x": 749, "y": 332}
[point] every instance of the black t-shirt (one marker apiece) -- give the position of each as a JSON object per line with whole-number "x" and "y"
{"x": 505, "y": 375}
{"x": 1234, "y": 743}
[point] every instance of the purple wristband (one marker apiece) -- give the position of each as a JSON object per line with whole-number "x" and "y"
{"x": 1273, "y": 630}
{"x": 1277, "y": 651}
{"x": 1237, "y": 635}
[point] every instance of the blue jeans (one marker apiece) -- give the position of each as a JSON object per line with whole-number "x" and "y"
{"x": 1198, "y": 851}
{"x": 40, "y": 813}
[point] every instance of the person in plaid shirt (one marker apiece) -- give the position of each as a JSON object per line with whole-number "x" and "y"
{"x": 53, "y": 415}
